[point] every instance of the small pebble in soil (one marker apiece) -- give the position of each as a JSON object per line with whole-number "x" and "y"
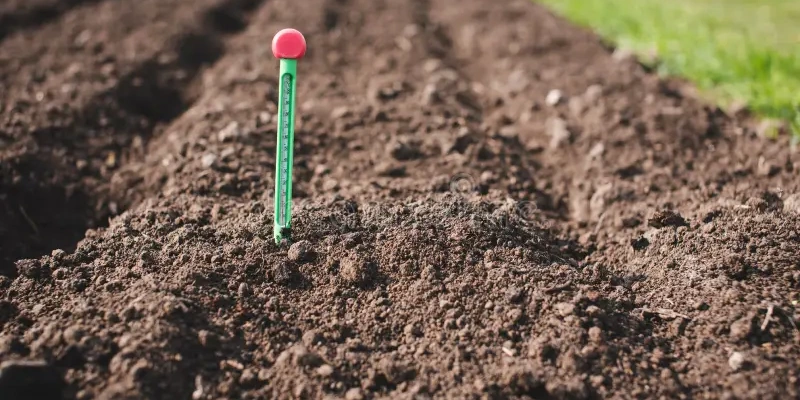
{"x": 324, "y": 370}
{"x": 264, "y": 118}
{"x": 736, "y": 361}
{"x": 597, "y": 150}
{"x": 554, "y": 97}
{"x": 301, "y": 251}
{"x": 208, "y": 160}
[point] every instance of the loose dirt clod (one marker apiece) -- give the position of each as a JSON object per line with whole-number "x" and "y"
{"x": 666, "y": 218}
{"x": 355, "y": 270}
{"x": 301, "y": 251}
{"x": 284, "y": 273}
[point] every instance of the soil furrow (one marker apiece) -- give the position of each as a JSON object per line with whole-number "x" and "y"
{"x": 111, "y": 128}
{"x": 31, "y": 14}
{"x": 66, "y": 64}
{"x": 229, "y": 129}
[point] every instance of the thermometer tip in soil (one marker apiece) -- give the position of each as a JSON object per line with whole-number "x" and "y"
{"x": 288, "y": 45}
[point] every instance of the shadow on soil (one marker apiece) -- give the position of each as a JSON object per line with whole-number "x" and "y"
{"x": 38, "y": 15}
{"x": 48, "y": 201}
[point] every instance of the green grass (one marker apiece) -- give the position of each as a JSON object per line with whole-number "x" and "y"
{"x": 734, "y": 50}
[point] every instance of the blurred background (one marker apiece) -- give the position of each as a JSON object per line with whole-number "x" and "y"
{"x": 740, "y": 53}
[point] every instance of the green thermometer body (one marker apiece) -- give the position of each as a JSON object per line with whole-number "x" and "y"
{"x": 285, "y": 151}
{"x": 288, "y": 45}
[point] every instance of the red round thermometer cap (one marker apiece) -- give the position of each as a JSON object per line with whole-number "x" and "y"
{"x": 289, "y": 43}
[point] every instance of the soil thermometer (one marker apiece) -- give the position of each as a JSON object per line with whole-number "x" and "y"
{"x": 288, "y": 45}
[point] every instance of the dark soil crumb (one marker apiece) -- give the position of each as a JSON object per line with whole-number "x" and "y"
{"x": 666, "y": 218}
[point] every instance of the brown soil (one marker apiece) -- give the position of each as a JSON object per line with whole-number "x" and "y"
{"x": 456, "y": 236}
